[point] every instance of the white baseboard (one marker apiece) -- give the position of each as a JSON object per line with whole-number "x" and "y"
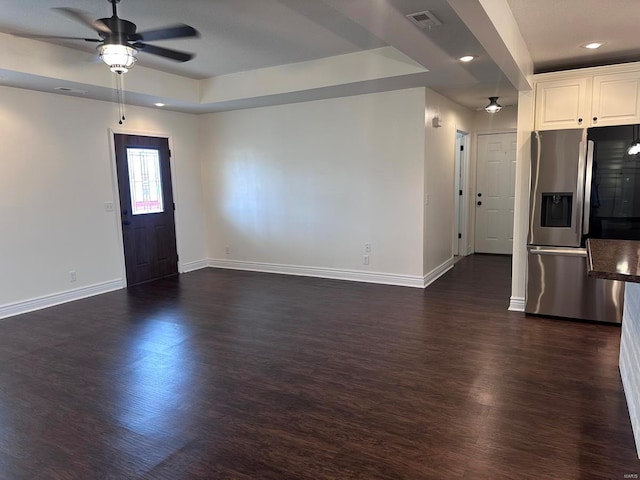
{"x": 437, "y": 272}
{"x": 45, "y": 301}
{"x": 58, "y": 298}
{"x": 191, "y": 266}
{"x": 516, "y": 304}
{"x": 333, "y": 273}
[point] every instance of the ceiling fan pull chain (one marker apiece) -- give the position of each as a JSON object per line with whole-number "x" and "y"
{"x": 122, "y": 96}
{"x": 119, "y": 100}
{"x": 120, "y": 89}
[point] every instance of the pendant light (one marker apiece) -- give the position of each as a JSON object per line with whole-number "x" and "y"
{"x": 494, "y": 106}
{"x": 634, "y": 148}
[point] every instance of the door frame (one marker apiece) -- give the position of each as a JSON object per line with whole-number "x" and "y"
{"x": 117, "y": 208}
{"x": 461, "y": 202}
{"x": 475, "y": 179}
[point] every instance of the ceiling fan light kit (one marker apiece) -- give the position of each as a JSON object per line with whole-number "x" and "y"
{"x": 119, "y": 58}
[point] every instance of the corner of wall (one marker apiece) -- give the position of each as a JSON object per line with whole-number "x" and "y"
{"x": 521, "y": 207}
{"x": 439, "y": 182}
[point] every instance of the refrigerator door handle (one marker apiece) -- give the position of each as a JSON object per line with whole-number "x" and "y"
{"x": 564, "y": 251}
{"x": 534, "y": 175}
{"x": 587, "y": 188}
{"x": 580, "y": 190}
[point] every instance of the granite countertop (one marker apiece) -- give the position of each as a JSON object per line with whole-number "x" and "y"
{"x": 614, "y": 259}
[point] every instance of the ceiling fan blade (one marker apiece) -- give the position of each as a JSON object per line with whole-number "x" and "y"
{"x": 179, "y": 30}
{"x": 55, "y": 37}
{"x": 164, "y": 52}
{"x": 83, "y": 18}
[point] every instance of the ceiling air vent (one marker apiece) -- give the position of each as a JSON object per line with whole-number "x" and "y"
{"x": 424, "y": 19}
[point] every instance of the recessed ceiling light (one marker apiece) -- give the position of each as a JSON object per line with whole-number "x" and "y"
{"x": 159, "y": 104}
{"x": 593, "y": 45}
{"x": 467, "y": 58}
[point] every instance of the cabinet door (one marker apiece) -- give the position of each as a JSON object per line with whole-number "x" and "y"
{"x": 562, "y": 103}
{"x": 616, "y": 99}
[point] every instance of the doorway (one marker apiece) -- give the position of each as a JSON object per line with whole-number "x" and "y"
{"x": 495, "y": 193}
{"x": 146, "y": 207}
{"x": 461, "y": 194}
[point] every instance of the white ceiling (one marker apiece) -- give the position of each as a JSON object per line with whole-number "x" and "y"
{"x": 554, "y": 30}
{"x": 236, "y": 35}
{"x": 246, "y": 35}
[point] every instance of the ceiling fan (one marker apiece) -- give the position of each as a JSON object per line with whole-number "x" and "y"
{"x": 120, "y": 42}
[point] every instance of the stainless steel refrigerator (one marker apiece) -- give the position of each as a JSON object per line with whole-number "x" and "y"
{"x": 561, "y": 183}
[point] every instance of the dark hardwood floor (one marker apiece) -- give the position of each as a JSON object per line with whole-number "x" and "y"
{"x": 234, "y": 375}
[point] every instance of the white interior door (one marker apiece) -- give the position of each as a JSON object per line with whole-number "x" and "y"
{"x": 495, "y": 193}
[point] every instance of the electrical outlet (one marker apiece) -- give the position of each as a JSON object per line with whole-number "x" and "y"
{"x": 227, "y": 250}
{"x": 367, "y": 248}
{"x": 365, "y": 260}
{"x": 72, "y": 276}
{"x": 426, "y": 199}
{"x": 108, "y": 206}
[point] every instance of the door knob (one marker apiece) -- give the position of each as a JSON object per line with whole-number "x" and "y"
{"x": 126, "y": 223}
{"x": 479, "y": 194}
{"x": 479, "y": 203}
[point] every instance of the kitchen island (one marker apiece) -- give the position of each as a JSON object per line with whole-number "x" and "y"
{"x": 620, "y": 260}
{"x": 614, "y": 259}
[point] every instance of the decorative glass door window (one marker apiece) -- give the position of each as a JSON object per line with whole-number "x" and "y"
{"x": 145, "y": 181}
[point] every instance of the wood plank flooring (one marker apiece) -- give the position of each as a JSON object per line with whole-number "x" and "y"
{"x": 234, "y": 375}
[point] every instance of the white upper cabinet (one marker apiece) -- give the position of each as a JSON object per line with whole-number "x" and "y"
{"x": 589, "y": 97}
{"x": 562, "y": 104}
{"x": 616, "y": 99}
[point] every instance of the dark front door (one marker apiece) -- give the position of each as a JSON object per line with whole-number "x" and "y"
{"x": 146, "y": 204}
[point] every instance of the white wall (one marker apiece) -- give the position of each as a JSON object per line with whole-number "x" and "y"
{"x": 439, "y": 217}
{"x": 303, "y": 185}
{"x": 506, "y": 120}
{"x": 56, "y": 175}
{"x": 309, "y": 184}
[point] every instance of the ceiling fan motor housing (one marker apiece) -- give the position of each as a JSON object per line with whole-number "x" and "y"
{"x": 120, "y": 30}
